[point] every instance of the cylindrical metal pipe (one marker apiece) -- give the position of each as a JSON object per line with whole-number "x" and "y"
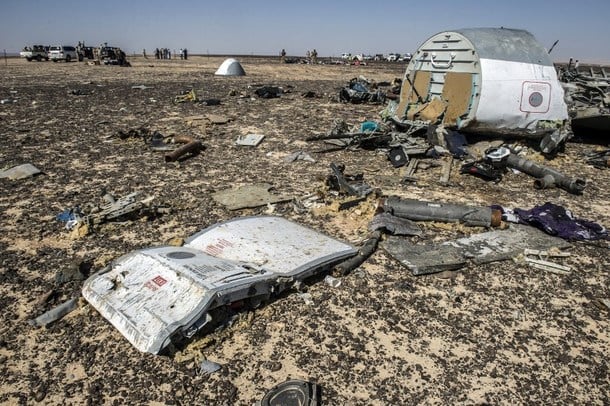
{"x": 545, "y": 176}
{"x": 192, "y": 147}
{"x": 420, "y": 210}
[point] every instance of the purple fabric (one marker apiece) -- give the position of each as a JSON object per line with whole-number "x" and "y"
{"x": 558, "y": 221}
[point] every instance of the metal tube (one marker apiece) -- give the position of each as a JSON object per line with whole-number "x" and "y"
{"x": 421, "y": 211}
{"x": 546, "y": 177}
{"x": 55, "y": 314}
{"x": 192, "y": 147}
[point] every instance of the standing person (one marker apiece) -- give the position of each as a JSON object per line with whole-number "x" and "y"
{"x": 157, "y": 54}
{"x": 144, "y": 53}
{"x": 314, "y": 56}
{"x": 181, "y": 53}
{"x": 283, "y": 56}
{"x": 186, "y": 55}
{"x": 308, "y": 56}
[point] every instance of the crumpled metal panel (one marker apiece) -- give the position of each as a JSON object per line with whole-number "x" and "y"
{"x": 270, "y": 242}
{"x": 156, "y": 294}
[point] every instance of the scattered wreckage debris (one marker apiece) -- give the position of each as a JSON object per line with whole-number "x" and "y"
{"x": 294, "y": 392}
{"x": 361, "y": 90}
{"x": 20, "y": 172}
{"x": 191, "y": 147}
{"x": 545, "y": 176}
{"x": 269, "y": 92}
{"x": 248, "y": 196}
{"x": 432, "y": 211}
{"x": 588, "y": 97}
{"x": 78, "y": 92}
{"x": 207, "y": 367}
{"x": 494, "y": 165}
{"x": 364, "y": 252}
{"x": 599, "y": 159}
{"x": 394, "y": 225}
{"x": 539, "y": 260}
{"x": 299, "y": 156}
{"x": 191, "y": 96}
{"x": 352, "y": 185}
{"x": 491, "y": 246}
{"x": 249, "y": 140}
{"x": 158, "y": 142}
{"x": 463, "y": 80}
{"x": 55, "y": 314}
{"x": 162, "y": 295}
{"x": 91, "y": 216}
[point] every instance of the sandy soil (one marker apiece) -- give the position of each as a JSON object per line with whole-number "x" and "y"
{"x": 497, "y": 333}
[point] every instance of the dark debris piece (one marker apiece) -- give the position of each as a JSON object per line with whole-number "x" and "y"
{"x": 483, "y": 169}
{"x": 599, "y": 159}
{"x": 293, "y": 392}
{"x": 352, "y": 185}
{"x": 269, "y": 92}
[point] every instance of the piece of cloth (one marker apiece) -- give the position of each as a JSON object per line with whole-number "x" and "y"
{"x": 557, "y": 220}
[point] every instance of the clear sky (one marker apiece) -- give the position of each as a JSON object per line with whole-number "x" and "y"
{"x": 332, "y": 27}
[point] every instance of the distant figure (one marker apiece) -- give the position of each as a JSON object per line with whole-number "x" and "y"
{"x": 181, "y": 53}
{"x": 283, "y": 56}
{"x": 314, "y": 56}
{"x": 157, "y": 54}
{"x": 576, "y": 65}
{"x": 308, "y": 56}
{"x": 570, "y": 64}
{"x": 186, "y": 54}
{"x": 144, "y": 53}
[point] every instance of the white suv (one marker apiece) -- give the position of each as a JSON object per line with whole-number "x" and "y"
{"x": 62, "y": 53}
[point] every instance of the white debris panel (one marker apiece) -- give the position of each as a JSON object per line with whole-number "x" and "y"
{"x": 155, "y": 295}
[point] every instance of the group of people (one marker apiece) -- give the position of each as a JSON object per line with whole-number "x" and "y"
{"x": 166, "y": 53}
{"x": 312, "y": 56}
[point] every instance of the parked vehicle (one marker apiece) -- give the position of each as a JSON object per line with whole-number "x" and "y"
{"x": 63, "y": 53}
{"x": 393, "y": 57}
{"x": 35, "y": 52}
{"x": 405, "y": 57}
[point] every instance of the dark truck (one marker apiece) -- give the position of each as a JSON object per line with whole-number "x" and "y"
{"x": 35, "y": 52}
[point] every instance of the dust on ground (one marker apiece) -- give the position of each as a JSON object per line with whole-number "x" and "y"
{"x": 493, "y": 333}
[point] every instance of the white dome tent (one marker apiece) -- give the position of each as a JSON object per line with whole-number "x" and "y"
{"x": 230, "y": 67}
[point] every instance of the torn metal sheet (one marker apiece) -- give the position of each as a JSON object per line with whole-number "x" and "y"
{"x": 486, "y": 80}
{"x": 501, "y": 245}
{"x": 394, "y": 225}
{"x": 20, "y": 172}
{"x": 159, "y": 295}
{"x": 248, "y": 196}
{"x": 479, "y": 248}
{"x": 424, "y": 259}
{"x": 251, "y": 140}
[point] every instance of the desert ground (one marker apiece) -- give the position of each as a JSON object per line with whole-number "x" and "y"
{"x": 498, "y": 333}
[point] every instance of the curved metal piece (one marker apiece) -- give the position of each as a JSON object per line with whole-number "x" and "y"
{"x": 442, "y": 66}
